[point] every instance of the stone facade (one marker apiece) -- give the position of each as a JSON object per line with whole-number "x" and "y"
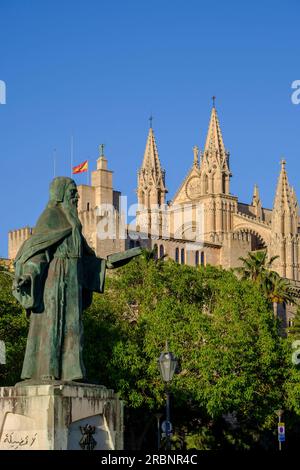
{"x": 203, "y": 224}
{"x": 229, "y": 228}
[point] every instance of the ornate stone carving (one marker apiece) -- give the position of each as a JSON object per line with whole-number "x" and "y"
{"x": 193, "y": 187}
{"x": 87, "y": 442}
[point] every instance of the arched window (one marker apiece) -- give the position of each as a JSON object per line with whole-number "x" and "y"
{"x": 182, "y": 256}
{"x": 202, "y": 258}
{"x": 161, "y": 251}
{"x": 155, "y": 250}
{"x": 177, "y": 255}
{"x": 88, "y": 206}
{"x": 197, "y": 258}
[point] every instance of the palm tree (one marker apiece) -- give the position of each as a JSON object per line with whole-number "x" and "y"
{"x": 277, "y": 289}
{"x": 256, "y": 266}
{"x": 149, "y": 254}
{"x": 152, "y": 254}
{"x": 294, "y": 329}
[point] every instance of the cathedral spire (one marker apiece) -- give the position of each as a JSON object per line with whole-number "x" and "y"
{"x": 285, "y": 209}
{"x": 214, "y": 139}
{"x": 214, "y": 166}
{"x": 151, "y": 177}
{"x": 285, "y": 226}
{"x": 196, "y": 155}
{"x": 151, "y": 158}
{"x": 256, "y": 196}
{"x": 283, "y": 196}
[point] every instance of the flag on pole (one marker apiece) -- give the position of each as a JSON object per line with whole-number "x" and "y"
{"x": 81, "y": 168}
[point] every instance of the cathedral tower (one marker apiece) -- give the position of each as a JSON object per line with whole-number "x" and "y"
{"x": 215, "y": 181}
{"x": 207, "y": 183}
{"x": 151, "y": 188}
{"x": 285, "y": 237}
{"x": 214, "y": 167}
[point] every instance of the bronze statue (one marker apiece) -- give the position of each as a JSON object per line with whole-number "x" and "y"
{"x": 56, "y": 273}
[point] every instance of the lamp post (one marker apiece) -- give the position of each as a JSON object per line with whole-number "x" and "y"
{"x": 281, "y": 432}
{"x": 167, "y": 365}
{"x": 158, "y": 417}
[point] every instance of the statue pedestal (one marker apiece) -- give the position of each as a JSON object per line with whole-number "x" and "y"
{"x": 60, "y": 416}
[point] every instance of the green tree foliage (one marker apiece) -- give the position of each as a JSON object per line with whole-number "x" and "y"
{"x": 224, "y": 333}
{"x": 277, "y": 289}
{"x": 234, "y": 370}
{"x": 256, "y": 265}
{"x": 13, "y": 331}
{"x": 294, "y": 330}
{"x": 257, "y": 268}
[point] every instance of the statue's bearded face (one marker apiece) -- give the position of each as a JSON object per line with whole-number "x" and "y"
{"x": 70, "y": 203}
{"x": 71, "y": 195}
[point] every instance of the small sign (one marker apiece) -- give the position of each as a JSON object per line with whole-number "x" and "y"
{"x": 2, "y": 352}
{"x": 281, "y": 432}
{"x": 166, "y": 427}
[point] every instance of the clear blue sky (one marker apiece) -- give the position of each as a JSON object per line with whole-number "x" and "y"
{"x": 97, "y": 69}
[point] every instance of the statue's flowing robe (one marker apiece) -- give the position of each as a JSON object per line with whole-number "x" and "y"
{"x": 60, "y": 289}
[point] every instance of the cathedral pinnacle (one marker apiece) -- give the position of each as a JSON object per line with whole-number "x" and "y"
{"x": 196, "y": 153}
{"x": 151, "y": 177}
{"x": 256, "y": 193}
{"x": 101, "y": 162}
{"x": 150, "y": 121}
{"x": 214, "y": 139}
{"x": 283, "y": 192}
{"x": 215, "y": 158}
{"x": 283, "y": 163}
{"x": 101, "y": 150}
{"x": 256, "y": 202}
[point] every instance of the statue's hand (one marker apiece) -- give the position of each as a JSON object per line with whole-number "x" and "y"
{"x": 21, "y": 281}
{"x": 120, "y": 259}
{"x": 109, "y": 265}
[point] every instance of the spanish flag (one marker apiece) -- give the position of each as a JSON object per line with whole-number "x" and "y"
{"x": 81, "y": 168}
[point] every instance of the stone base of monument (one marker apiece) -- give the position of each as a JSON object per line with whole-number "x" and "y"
{"x": 60, "y": 416}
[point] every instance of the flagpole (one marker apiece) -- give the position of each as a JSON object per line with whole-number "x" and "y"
{"x": 72, "y": 154}
{"x": 54, "y": 162}
{"x": 87, "y": 175}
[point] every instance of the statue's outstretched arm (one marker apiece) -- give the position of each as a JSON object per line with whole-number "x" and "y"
{"x": 120, "y": 259}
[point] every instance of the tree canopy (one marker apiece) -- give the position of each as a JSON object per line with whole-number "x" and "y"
{"x": 234, "y": 370}
{"x": 223, "y": 331}
{"x": 13, "y": 331}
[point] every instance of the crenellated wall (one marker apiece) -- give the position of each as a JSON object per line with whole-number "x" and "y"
{"x": 16, "y": 238}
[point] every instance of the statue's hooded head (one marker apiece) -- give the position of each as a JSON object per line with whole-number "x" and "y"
{"x": 62, "y": 188}
{"x": 63, "y": 191}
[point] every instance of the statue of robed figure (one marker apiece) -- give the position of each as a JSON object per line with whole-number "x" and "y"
{"x": 56, "y": 273}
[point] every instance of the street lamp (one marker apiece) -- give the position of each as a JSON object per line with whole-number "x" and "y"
{"x": 167, "y": 365}
{"x": 281, "y": 431}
